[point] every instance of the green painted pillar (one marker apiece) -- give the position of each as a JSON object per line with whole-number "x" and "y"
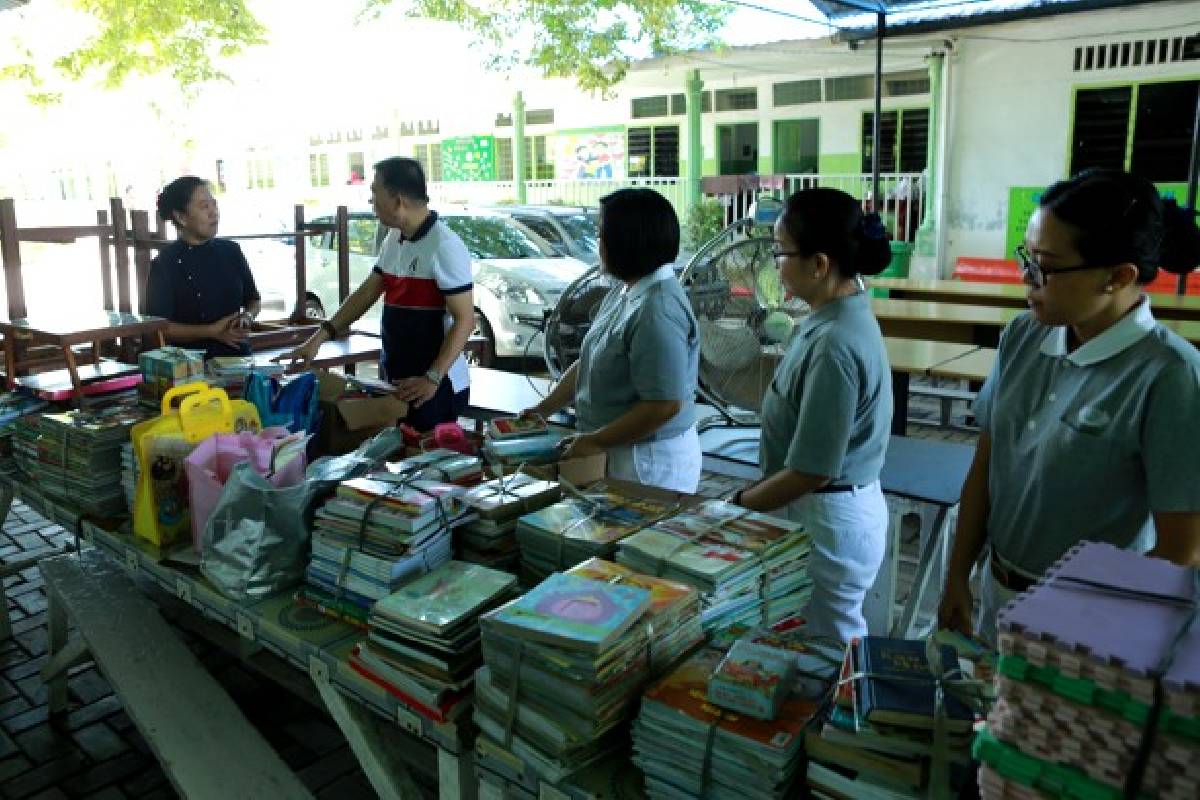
{"x": 927, "y": 233}
{"x": 519, "y": 145}
{"x": 695, "y": 157}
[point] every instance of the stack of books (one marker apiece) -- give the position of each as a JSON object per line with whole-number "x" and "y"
{"x": 672, "y": 622}
{"x": 13, "y": 406}
{"x": 750, "y": 568}
{"x": 1079, "y": 653}
{"x": 581, "y": 527}
{"x": 447, "y": 466}
{"x": 76, "y": 455}
{"x": 231, "y": 372}
{"x": 373, "y": 535}
{"x": 490, "y": 538}
{"x": 540, "y": 447}
{"x": 880, "y": 738}
{"x": 164, "y": 369}
{"x": 423, "y": 640}
{"x": 688, "y": 747}
{"x": 563, "y": 668}
{"x": 129, "y": 474}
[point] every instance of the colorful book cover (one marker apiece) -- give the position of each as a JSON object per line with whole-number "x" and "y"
{"x": 506, "y": 427}
{"x": 665, "y": 595}
{"x": 686, "y": 691}
{"x": 702, "y": 558}
{"x": 600, "y": 518}
{"x": 574, "y": 612}
{"x": 753, "y": 679}
{"x": 722, "y": 523}
{"x": 415, "y": 498}
{"x": 900, "y": 690}
{"x": 446, "y": 595}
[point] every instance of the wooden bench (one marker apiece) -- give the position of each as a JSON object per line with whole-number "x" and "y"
{"x": 205, "y": 745}
{"x": 946, "y": 396}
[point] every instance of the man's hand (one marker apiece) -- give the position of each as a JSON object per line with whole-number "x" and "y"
{"x": 954, "y": 611}
{"x": 534, "y": 412}
{"x": 415, "y": 391}
{"x": 227, "y": 331}
{"x": 305, "y": 353}
{"x": 580, "y": 446}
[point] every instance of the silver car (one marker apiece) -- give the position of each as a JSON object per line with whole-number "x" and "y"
{"x": 570, "y": 230}
{"x": 518, "y": 278}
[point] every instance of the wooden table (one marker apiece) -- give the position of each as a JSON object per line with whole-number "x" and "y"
{"x": 64, "y": 330}
{"x": 942, "y": 322}
{"x": 346, "y": 352}
{"x": 973, "y": 366}
{"x": 908, "y": 357}
{"x": 1010, "y": 295}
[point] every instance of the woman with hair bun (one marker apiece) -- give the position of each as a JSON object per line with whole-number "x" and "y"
{"x": 1089, "y": 418}
{"x": 200, "y": 283}
{"x": 828, "y": 411}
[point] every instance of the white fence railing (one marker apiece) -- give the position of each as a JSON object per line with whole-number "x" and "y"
{"x": 583, "y": 192}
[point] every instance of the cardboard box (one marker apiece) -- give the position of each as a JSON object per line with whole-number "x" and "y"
{"x": 349, "y": 419}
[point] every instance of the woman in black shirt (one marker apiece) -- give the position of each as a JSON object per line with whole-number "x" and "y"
{"x": 200, "y": 283}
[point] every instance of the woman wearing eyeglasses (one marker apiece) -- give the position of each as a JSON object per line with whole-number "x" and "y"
{"x": 828, "y": 410}
{"x": 1090, "y": 418}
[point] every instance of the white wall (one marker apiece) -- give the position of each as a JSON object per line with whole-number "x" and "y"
{"x": 1010, "y": 105}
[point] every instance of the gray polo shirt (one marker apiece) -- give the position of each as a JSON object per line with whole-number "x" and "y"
{"x": 828, "y": 410}
{"x": 643, "y": 345}
{"x": 1086, "y": 445}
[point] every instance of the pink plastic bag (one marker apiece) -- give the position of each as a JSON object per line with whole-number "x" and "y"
{"x": 209, "y": 466}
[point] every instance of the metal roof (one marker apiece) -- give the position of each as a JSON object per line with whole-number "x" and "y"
{"x": 7, "y": 4}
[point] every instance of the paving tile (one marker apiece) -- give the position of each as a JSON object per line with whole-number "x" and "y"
{"x": 42, "y": 777}
{"x": 89, "y": 686}
{"x": 45, "y": 742}
{"x": 33, "y": 624}
{"x": 10, "y": 708}
{"x": 149, "y": 779}
{"x": 7, "y": 746}
{"x": 33, "y": 641}
{"x": 34, "y": 688}
{"x": 327, "y": 769}
{"x": 53, "y": 793}
{"x": 13, "y": 766}
{"x": 31, "y": 602}
{"x": 26, "y": 720}
{"x": 30, "y": 666}
{"x": 105, "y": 773}
{"x": 100, "y": 742}
{"x": 93, "y": 712}
{"x": 316, "y": 734}
{"x": 120, "y": 721}
{"x": 111, "y": 793}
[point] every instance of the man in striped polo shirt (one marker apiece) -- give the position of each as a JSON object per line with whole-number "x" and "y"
{"x": 424, "y": 276}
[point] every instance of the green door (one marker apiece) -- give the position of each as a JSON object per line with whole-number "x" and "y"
{"x": 797, "y": 146}
{"x": 737, "y": 147}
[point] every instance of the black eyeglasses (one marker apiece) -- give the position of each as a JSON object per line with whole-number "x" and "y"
{"x": 777, "y": 254}
{"x": 1038, "y": 274}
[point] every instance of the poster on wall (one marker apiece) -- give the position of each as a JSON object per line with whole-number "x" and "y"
{"x": 590, "y": 155}
{"x": 469, "y": 158}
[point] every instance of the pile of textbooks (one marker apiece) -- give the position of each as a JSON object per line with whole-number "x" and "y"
{"x": 231, "y": 372}
{"x": 563, "y": 668}
{"x": 672, "y": 622}
{"x": 164, "y": 369}
{"x": 374, "y": 534}
{"x": 13, "y": 406}
{"x": 750, "y": 568}
{"x": 423, "y": 639}
{"x": 879, "y": 740}
{"x": 490, "y": 537}
{"x": 1076, "y": 685}
{"x": 76, "y": 455}
{"x": 583, "y": 526}
{"x": 688, "y": 747}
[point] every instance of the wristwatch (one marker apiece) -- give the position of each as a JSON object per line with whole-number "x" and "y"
{"x": 434, "y": 376}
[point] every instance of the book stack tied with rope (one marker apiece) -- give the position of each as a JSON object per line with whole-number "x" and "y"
{"x": 688, "y": 746}
{"x": 750, "y": 568}
{"x": 583, "y": 525}
{"x": 374, "y": 534}
{"x": 13, "y": 406}
{"x": 901, "y": 722}
{"x": 565, "y": 664}
{"x": 423, "y": 639}
{"x": 76, "y": 455}
{"x": 1098, "y": 682}
{"x": 489, "y": 538}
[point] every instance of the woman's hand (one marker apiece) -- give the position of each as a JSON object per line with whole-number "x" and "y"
{"x": 954, "y": 612}
{"x": 580, "y": 446}
{"x": 227, "y": 330}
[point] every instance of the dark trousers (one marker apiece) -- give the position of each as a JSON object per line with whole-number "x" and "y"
{"x": 446, "y": 405}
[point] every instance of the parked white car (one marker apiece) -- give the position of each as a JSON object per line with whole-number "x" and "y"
{"x": 518, "y": 278}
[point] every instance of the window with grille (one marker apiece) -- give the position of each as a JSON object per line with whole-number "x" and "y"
{"x": 1145, "y": 128}
{"x": 1101, "y": 128}
{"x": 793, "y": 93}
{"x": 678, "y": 104}
{"x": 850, "y": 87}
{"x": 504, "y": 159}
{"x": 430, "y": 158}
{"x": 653, "y": 152}
{"x": 642, "y": 107}
{"x": 318, "y": 169}
{"x": 904, "y": 140}
{"x": 666, "y": 151}
{"x": 1136, "y": 53}
{"x": 504, "y": 120}
{"x": 902, "y": 84}
{"x": 538, "y": 165}
{"x": 539, "y": 116}
{"x": 736, "y": 99}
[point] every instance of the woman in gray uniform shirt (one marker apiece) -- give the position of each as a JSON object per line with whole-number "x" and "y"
{"x": 828, "y": 410}
{"x": 1090, "y": 419}
{"x": 634, "y": 385}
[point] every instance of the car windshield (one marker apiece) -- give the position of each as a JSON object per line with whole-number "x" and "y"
{"x": 582, "y": 229}
{"x": 493, "y": 237}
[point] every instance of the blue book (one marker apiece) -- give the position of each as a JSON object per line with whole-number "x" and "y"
{"x": 900, "y": 688}
{"x": 572, "y": 612}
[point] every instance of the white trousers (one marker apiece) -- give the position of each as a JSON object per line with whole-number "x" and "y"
{"x": 672, "y": 464}
{"x": 993, "y": 597}
{"x": 849, "y": 537}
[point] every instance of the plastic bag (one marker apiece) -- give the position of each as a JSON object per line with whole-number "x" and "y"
{"x": 256, "y": 541}
{"x": 292, "y": 404}
{"x": 274, "y": 453}
{"x": 160, "y": 445}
